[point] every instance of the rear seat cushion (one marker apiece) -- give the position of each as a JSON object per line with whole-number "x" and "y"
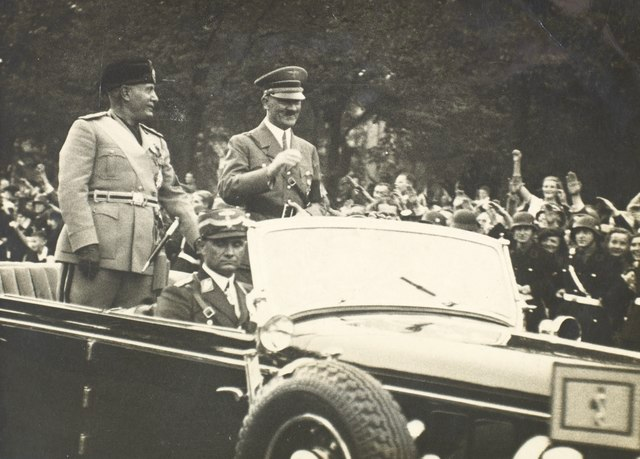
{"x": 36, "y": 280}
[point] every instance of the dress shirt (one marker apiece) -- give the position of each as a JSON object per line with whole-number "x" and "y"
{"x": 227, "y": 284}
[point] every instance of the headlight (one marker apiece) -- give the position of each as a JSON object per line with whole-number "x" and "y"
{"x": 275, "y": 335}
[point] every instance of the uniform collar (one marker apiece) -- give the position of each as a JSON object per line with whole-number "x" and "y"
{"x": 277, "y": 132}
{"x": 219, "y": 279}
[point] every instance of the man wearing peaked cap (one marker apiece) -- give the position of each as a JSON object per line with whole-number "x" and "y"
{"x": 269, "y": 170}
{"x": 213, "y": 295}
{"x": 115, "y": 173}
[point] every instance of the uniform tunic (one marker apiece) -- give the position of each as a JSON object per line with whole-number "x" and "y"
{"x": 244, "y": 180}
{"x": 102, "y": 155}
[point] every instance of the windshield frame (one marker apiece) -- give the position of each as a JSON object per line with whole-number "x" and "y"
{"x": 259, "y": 232}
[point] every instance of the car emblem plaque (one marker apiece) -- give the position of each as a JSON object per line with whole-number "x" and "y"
{"x": 596, "y": 405}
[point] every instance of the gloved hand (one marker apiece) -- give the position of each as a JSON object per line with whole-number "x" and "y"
{"x": 89, "y": 260}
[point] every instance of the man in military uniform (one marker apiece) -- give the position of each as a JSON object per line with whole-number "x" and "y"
{"x": 114, "y": 175}
{"x": 212, "y": 295}
{"x": 269, "y": 170}
{"x": 591, "y": 284}
{"x": 533, "y": 268}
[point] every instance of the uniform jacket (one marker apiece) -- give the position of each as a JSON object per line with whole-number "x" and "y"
{"x": 101, "y": 153}
{"x": 244, "y": 180}
{"x": 179, "y": 301}
{"x": 534, "y": 267}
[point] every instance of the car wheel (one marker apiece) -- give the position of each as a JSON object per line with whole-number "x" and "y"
{"x": 324, "y": 409}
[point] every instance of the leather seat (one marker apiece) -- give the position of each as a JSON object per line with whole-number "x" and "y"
{"x": 35, "y": 280}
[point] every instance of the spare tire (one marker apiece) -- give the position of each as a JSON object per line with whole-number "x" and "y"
{"x": 324, "y": 409}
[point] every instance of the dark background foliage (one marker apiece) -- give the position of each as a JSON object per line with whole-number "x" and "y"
{"x": 455, "y": 84}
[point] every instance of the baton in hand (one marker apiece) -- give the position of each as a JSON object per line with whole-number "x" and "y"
{"x": 162, "y": 242}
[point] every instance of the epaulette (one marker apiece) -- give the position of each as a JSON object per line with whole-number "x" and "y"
{"x": 183, "y": 281}
{"x": 153, "y": 131}
{"x": 93, "y": 116}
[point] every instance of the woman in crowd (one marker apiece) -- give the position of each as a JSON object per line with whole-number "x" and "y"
{"x": 617, "y": 244}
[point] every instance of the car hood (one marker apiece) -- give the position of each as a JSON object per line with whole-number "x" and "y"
{"x": 459, "y": 349}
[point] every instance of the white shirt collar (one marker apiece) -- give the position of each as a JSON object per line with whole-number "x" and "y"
{"x": 219, "y": 279}
{"x": 277, "y": 132}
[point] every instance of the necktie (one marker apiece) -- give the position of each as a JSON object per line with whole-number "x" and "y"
{"x": 284, "y": 141}
{"x": 231, "y": 299}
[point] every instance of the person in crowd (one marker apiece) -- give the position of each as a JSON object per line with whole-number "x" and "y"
{"x": 551, "y": 216}
{"x": 552, "y": 190}
{"x": 53, "y": 230}
{"x": 553, "y": 241}
{"x": 465, "y": 219}
{"x": 433, "y": 217}
{"x": 189, "y": 184}
{"x": 591, "y": 285}
{"x": 404, "y": 190}
{"x": 493, "y": 219}
{"x": 269, "y": 170}
{"x": 617, "y": 244}
{"x": 383, "y": 201}
{"x": 212, "y": 295}
{"x": 533, "y": 268}
{"x": 37, "y": 251}
{"x": 114, "y": 175}
{"x": 483, "y": 196}
{"x": 629, "y": 218}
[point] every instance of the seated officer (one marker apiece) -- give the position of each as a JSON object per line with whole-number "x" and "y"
{"x": 212, "y": 295}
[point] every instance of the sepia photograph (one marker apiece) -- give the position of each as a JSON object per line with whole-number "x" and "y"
{"x": 341, "y": 229}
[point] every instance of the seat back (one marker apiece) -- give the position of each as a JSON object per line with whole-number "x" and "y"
{"x": 35, "y": 280}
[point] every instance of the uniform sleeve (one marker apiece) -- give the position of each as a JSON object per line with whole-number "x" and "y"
{"x": 77, "y": 158}
{"x": 237, "y": 182}
{"x": 174, "y": 303}
{"x": 175, "y": 200}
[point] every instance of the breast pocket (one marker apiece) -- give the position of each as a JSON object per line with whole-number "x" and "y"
{"x": 110, "y": 163}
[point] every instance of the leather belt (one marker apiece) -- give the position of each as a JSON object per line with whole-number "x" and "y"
{"x": 134, "y": 198}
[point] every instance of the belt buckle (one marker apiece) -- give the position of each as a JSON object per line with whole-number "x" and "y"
{"x": 137, "y": 199}
{"x": 291, "y": 182}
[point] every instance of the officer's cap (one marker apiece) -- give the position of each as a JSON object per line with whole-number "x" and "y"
{"x": 136, "y": 70}
{"x": 283, "y": 83}
{"x": 222, "y": 223}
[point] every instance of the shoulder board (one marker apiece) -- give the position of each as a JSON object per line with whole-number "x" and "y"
{"x": 153, "y": 131}
{"x": 184, "y": 281}
{"x": 93, "y": 116}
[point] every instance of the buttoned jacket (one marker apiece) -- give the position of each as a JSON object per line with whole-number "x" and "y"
{"x": 244, "y": 180}
{"x": 188, "y": 300}
{"x": 102, "y": 155}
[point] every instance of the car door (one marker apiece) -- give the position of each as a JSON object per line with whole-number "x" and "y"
{"x": 162, "y": 388}
{"x": 42, "y": 378}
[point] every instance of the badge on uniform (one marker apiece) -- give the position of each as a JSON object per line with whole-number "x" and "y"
{"x": 206, "y": 285}
{"x": 159, "y": 179}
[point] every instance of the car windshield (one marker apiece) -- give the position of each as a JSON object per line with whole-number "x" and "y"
{"x": 315, "y": 268}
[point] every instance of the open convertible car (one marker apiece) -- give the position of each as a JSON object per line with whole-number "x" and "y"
{"x": 374, "y": 339}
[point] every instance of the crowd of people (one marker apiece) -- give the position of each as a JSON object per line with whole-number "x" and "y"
{"x": 30, "y": 219}
{"x": 570, "y": 258}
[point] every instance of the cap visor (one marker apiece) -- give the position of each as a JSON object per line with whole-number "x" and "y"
{"x": 225, "y": 235}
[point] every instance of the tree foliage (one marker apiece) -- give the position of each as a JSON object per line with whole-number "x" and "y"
{"x": 456, "y": 84}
